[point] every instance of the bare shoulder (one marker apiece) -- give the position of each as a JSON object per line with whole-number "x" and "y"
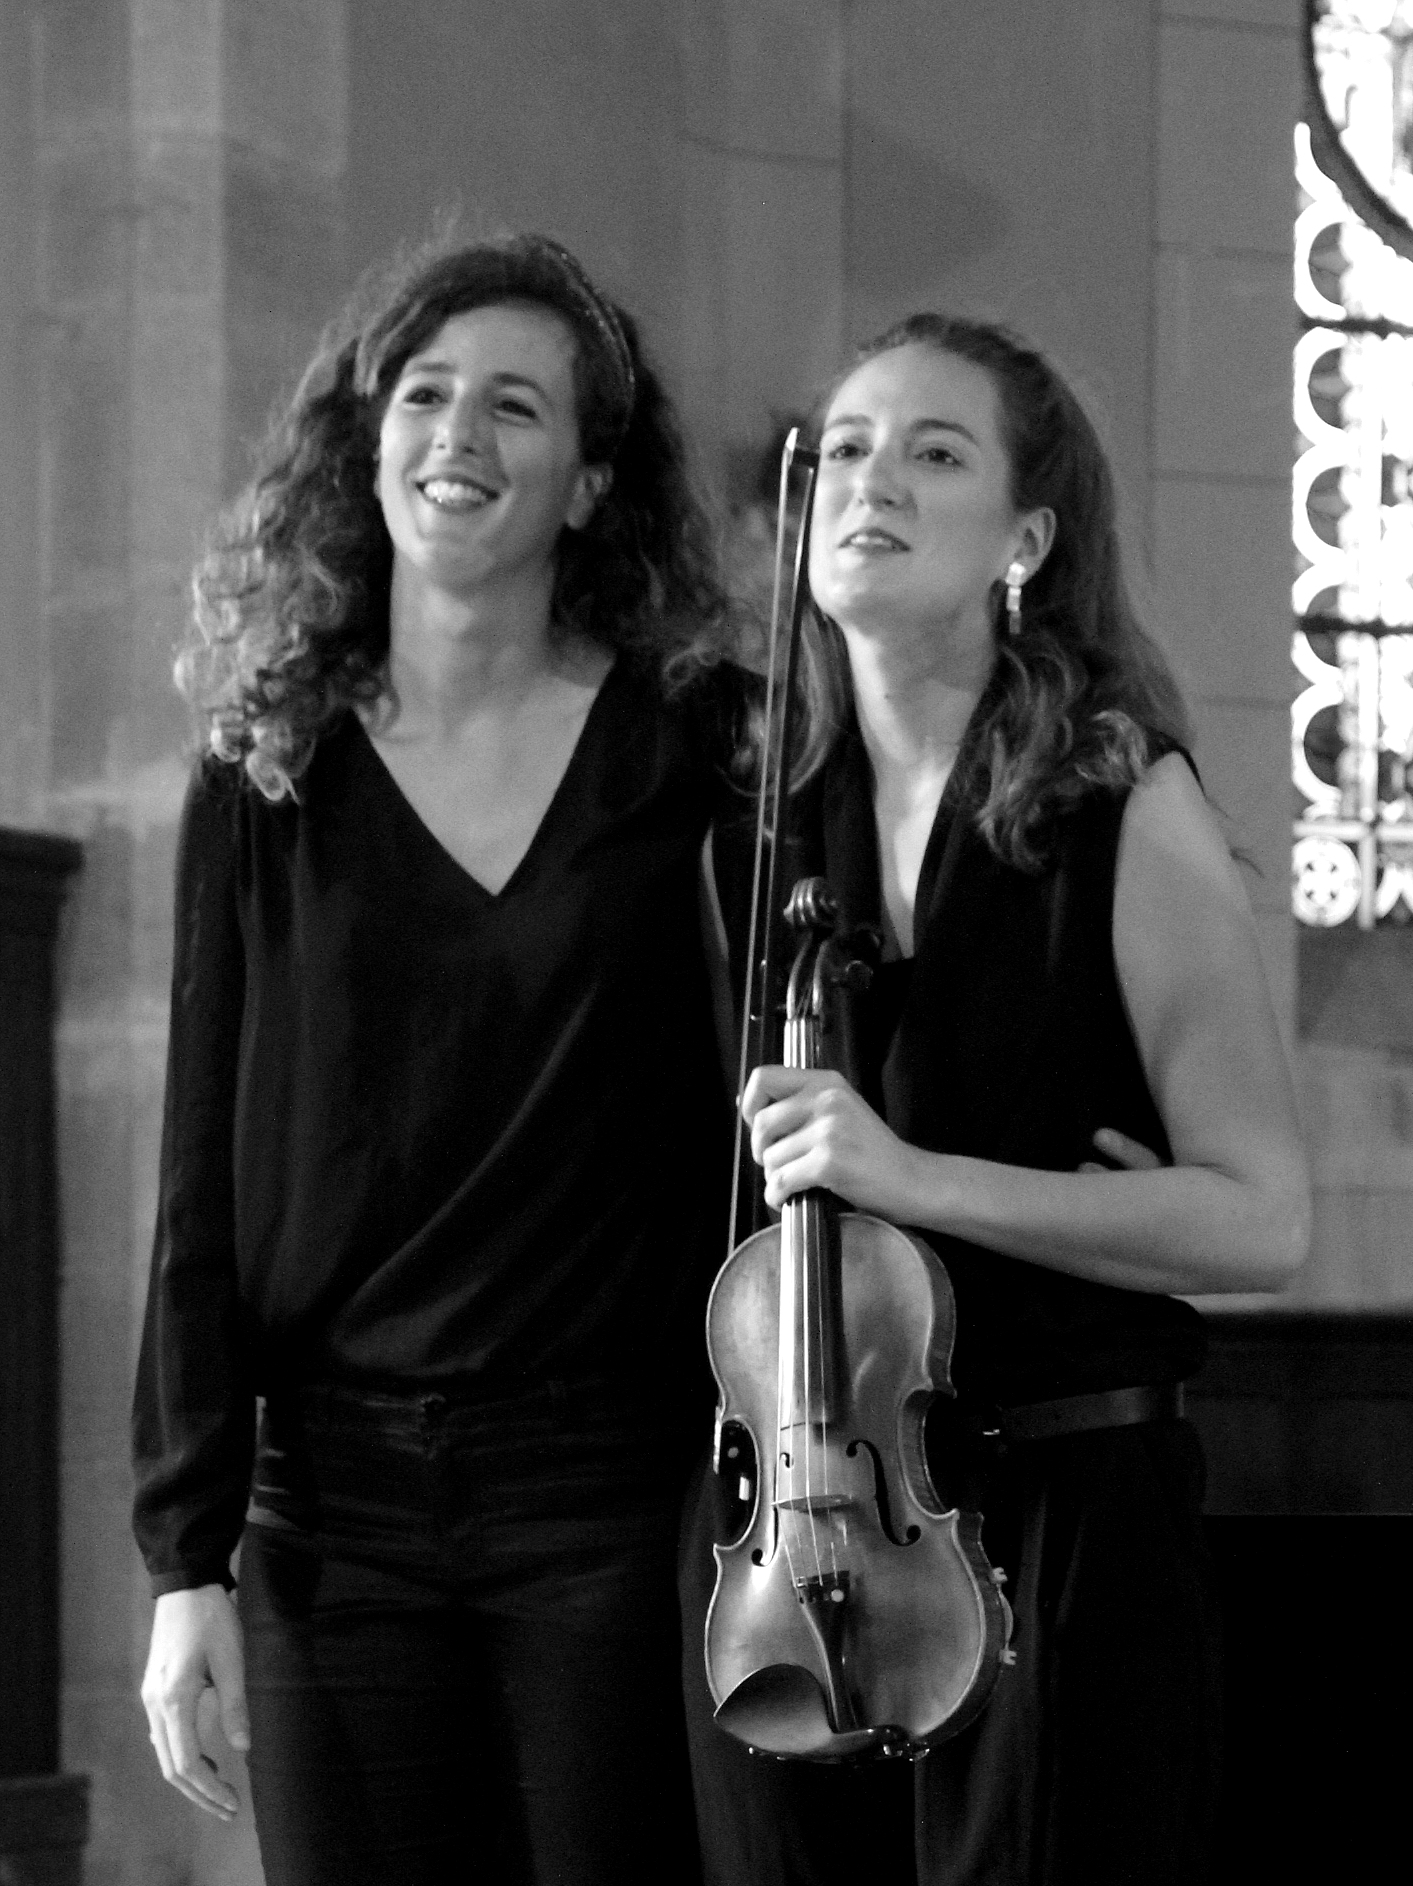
{"x": 1190, "y": 969}
{"x": 1172, "y": 842}
{"x": 1185, "y": 943}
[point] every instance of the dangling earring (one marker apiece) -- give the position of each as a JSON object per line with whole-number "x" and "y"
{"x": 1015, "y": 576}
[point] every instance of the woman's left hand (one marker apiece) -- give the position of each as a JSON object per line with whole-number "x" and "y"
{"x": 1120, "y": 1153}
{"x": 809, "y": 1127}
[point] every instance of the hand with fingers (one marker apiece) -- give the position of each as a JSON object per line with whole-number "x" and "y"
{"x": 1119, "y": 1153}
{"x": 196, "y": 1646}
{"x": 810, "y": 1127}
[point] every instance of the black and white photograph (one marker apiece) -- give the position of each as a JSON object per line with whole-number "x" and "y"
{"x": 706, "y": 942}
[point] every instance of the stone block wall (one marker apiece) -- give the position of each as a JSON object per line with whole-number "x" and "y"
{"x": 172, "y": 239}
{"x": 1000, "y": 163}
{"x": 23, "y": 683}
{"x": 1228, "y": 98}
{"x": 762, "y": 149}
{"x": 1230, "y": 92}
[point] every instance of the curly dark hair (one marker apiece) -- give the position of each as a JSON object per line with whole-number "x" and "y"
{"x": 1082, "y": 697}
{"x": 290, "y": 626}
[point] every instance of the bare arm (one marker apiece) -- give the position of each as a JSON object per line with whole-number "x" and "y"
{"x": 1232, "y": 1211}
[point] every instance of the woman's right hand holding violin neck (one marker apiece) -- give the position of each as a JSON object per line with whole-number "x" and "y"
{"x": 196, "y": 1646}
{"x": 809, "y": 1127}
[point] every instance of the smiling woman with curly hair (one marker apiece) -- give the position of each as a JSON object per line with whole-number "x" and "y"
{"x": 459, "y": 654}
{"x": 290, "y": 625}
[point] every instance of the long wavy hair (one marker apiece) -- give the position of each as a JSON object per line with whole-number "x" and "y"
{"x": 1082, "y": 698}
{"x": 290, "y": 623}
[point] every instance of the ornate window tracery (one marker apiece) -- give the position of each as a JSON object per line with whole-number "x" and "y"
{"x": 1352, "y": 729}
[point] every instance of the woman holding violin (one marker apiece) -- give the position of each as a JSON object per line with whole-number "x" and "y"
{"x": 458, "y": 656}
{"x": 1069, "y": 1082}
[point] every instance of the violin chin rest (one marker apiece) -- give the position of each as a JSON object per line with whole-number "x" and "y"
{"x": 782, "y": 1710}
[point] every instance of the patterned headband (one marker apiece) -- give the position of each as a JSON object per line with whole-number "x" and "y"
{"x": 602, "y": 316}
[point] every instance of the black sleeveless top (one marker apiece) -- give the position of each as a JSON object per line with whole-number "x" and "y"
{"x": 1006, "y": 1038}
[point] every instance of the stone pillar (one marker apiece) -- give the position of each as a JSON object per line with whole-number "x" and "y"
{"x": 1230, "y": 94}
{"x": 22, "y": 681}
{"x": 763, "y": 211}
{"x": 999, "y": 164}
{"x": 188, "y": 159}
{"x": 1228, "y": 98}
{"x": 554, "y": 115}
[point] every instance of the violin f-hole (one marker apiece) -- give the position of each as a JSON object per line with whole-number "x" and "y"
{"x": 880, "y": 1495}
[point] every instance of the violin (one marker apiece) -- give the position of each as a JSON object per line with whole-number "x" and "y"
{"x": 856, "y": 1615}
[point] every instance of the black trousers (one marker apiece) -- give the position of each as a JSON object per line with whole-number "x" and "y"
{"x": 1097, "y": 1761}
{"x": 462, "y": 1644}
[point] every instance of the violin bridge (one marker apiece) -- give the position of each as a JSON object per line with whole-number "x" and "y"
{"x": 816, "y": 1503}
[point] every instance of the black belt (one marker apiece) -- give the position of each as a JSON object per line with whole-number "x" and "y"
{"x": 1077, "y": 1414}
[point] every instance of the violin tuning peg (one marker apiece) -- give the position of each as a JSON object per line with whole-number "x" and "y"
{"x": 998, "y": 1577}
{"x": 1008, "y": 1657}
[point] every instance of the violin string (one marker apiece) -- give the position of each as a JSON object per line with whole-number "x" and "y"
{"x": 804, "y": 1214}
{"x": 807, "y": 1255}
{"x": 839, "y": 1536}
{"x": 822, "y": 1376}
{"x": 818, "y": 1259}
{"x": 828, "y": 1385}
{"x": 829, "y": 1353}
{"x": 786, "y": 1392}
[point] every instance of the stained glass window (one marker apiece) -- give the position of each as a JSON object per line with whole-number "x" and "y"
{"x": 1353, "y": 487}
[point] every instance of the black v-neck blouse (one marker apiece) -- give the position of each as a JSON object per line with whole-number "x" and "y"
{"x": 420, "y": 1135}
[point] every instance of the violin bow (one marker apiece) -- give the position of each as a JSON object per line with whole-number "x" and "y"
{"x": 759, "y": 1006}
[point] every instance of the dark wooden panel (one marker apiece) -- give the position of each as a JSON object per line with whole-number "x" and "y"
{"x": 1353, "y": 986}
{"x": 1307, "y": 1413}
{"x": 43, "y": 1828}
{"x": 33, "y": 870}
{"x": 1319, "y": 1669}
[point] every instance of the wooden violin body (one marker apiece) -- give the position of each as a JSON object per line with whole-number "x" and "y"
{"x": 910, "y": 1651}
{"x": 855, "y": 1615}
